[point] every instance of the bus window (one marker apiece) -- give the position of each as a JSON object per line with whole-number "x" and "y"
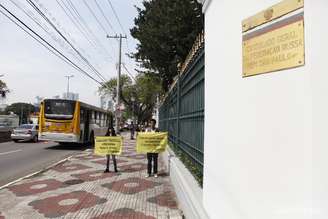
{"x": 101, "y": 117}
{"x": 59, "y": 109}
{"x": 82, "y": 116}
{"x": 92, "y": 115}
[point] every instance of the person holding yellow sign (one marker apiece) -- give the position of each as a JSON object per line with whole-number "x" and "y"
{"x": 111, "y": 145}
{"x": 152, "y": 142}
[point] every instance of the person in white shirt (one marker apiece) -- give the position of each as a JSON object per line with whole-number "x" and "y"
{"x": 152, "y": 156}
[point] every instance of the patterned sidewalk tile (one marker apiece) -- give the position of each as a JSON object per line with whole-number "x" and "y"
{"x": 124, "y": 213}
{"x": 131, "y": 185}
{"x": 35, "y": 187}
{"x": 93, "y": 175}
{"x": 104, "y": 161}
{"x": 62, "y": 204}
{"x": 70, "y": 167}
{"x": 136, "y": 167}
{"x": 137, "y": 156}
{"x": 88, "y": 157}
{"x": 79, "y": 188}
{"x": 165, "y": 200}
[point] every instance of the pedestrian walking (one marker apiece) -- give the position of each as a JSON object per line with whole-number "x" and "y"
{"x": 152, "y": 157}
{"x": 111, "y": 132}
{"x": 132, "y": 130}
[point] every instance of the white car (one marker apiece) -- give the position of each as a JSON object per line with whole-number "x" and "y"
{"x": 25, "y": 132}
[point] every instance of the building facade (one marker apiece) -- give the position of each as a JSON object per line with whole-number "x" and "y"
{"x": 266, "y": 139}
{"x": 71, "y": 96}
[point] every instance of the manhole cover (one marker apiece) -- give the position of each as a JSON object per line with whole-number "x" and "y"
{"x": 73, "y": 182}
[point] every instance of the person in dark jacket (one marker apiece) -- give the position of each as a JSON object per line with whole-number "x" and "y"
{"x": 132, "y": 130}
{"x": 111, "y": 132}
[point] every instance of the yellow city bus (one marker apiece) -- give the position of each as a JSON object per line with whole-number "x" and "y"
{"x": 67, "y": 121}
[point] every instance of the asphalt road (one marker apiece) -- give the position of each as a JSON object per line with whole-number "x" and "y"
{"x": 23, "y": 158}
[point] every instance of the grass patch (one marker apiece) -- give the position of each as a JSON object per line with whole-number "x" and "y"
{"x": 195, "y": 169}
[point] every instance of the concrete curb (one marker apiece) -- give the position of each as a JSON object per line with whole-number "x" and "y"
{"x": 186, "y": 187}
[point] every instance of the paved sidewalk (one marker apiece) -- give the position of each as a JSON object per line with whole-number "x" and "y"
{"x": 78, "y": 188}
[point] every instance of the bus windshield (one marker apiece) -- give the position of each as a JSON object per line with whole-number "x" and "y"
{"x": 59, "y": 109}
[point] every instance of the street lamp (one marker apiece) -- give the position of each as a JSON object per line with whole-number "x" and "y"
{"x": 68, "y": 77}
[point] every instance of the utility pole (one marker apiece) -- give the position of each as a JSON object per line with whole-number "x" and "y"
{"x": 68, "y": 77}
{"x": 120, "y": 37}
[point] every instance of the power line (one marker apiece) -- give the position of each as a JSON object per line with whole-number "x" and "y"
{"x": 119, "y": 22}
{"x": 31, "y": 17}
{"x": 95, "y": 17}
{"x": 103, "y": 14}
{"x": 129, "y": 72}
{"x": 80, "y": 19}
{"x": 67, "y": 41}
{"x": 117, "y": 18}
{"x": 39, "y": 24}
{"x": 76, "y": 24}
{"x": 44, "y": 43}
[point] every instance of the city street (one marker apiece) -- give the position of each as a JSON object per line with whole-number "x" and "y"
{"x": 23, "y": 158}
{"x": 123, "y": 80}
{"x": 78, "y": 188}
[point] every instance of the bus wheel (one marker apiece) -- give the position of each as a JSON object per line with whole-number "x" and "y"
{"x": 92, "y": 140}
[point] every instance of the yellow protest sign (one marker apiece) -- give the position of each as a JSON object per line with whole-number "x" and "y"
{"x": 108, "y": 145}
{"x": 151, "y": 142}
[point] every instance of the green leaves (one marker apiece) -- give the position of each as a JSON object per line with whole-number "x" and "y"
{"x": 21, "y": 109}
{"x": 139, "y": 97}
{"x": 166, "y": 30}
{"x": 3, "y": 89}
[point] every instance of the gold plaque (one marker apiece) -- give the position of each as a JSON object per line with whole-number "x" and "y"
{"x": 275, "y": 47}
{"x": 272, "y": 13}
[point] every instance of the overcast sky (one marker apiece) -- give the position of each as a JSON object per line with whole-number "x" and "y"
{"x": 30, "y": 70}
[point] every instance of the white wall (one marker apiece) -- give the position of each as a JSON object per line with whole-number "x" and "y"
{"x": 266, "y": 137}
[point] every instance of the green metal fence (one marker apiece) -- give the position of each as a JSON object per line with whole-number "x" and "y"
{"x": 182, "y": 114}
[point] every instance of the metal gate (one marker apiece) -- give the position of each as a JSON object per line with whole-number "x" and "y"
{"x": 182, "y": 114}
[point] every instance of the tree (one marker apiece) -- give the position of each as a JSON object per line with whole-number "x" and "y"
{"x": 3, "y": 89}
{"x": 22, "y": 109}
{"x": 139, "y": 97}
{"x": 166, "y": 31}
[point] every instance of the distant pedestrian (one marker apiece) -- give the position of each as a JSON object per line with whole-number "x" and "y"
{"x": 111, "y": 132}
{"x": 152, "y": 157}
{"x": 132, "y": 130}
{"x": 137, "y": 128}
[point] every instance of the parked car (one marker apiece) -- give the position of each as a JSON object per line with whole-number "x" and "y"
{"x": 26, "y": 132}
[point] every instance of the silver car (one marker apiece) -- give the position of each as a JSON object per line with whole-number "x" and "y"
{"x": 25, "y": 132}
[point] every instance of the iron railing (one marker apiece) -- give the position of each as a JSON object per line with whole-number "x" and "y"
{"x": 182, "y": 111}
